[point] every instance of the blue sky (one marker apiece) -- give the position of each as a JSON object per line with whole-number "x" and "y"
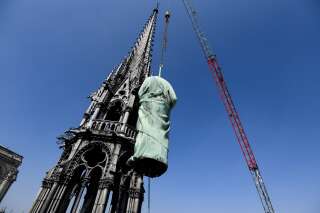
{"x": 55, "y": 53}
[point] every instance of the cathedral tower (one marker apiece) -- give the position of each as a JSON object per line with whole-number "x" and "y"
{"x": 92, "y": 174}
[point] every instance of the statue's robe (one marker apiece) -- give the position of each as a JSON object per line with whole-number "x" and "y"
{"x": 156, "y": 99}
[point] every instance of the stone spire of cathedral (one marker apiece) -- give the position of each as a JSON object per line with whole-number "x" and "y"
{"x": 91, "y": 174}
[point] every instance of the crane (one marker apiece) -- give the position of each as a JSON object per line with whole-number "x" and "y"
{"x": 164, "y": 40}
{"x": 230, "y": 108}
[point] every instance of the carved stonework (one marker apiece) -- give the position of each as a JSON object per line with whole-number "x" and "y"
{"x": 46, "y": 183}
{"x": 9, "y": 163}
{"x": 93, "y": 163}
{"x": 106, "y": 183}
{"x": 134, "y": 193}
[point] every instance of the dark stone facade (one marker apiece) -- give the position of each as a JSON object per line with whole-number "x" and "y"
{"x": 91, "y": 174}
{"x": 9, "y": 163}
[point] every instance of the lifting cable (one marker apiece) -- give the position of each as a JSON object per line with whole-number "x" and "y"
{"x": 164, "y": 41}
{"x": 163, "y": 52}
{"x": 149, "y": 183}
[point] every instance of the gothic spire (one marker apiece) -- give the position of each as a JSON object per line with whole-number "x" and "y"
{"x": 107, "y": 132}
{"x": 136, "y": 66}
{"x": 128, "y": 76}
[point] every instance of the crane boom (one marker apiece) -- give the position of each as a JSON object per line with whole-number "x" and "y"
{"x": 230, "y": 108}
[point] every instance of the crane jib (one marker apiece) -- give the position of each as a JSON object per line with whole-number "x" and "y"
{"x": 230, "y": 108}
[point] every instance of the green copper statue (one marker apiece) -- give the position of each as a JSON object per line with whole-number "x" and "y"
{"x": 157, "y": 98}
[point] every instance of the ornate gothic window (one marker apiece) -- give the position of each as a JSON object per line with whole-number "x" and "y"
{"x": 133, "y": 118}
{"x": 102, "y": 113}
{"x": 89, "y": 196}
{"x": 115, "y": 111}
{"x": 83, "y": 187}
{"x": 94, "y": 157}
{"x": 76, "y": 189}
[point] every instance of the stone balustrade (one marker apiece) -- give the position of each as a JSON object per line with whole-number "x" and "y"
{"x": 114, "y": 127}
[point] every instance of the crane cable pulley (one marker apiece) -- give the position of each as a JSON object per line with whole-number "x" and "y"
{"x": 164, "y": 41}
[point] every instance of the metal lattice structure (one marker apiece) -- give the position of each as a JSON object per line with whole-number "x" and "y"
{"x": 92, "y": 174}
{"x": 230, "y": 108}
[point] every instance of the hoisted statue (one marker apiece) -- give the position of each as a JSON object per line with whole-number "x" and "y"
{"x": 157, "y": 98}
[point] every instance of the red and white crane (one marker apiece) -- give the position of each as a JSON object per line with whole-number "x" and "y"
{"x": 230, "y": 108}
